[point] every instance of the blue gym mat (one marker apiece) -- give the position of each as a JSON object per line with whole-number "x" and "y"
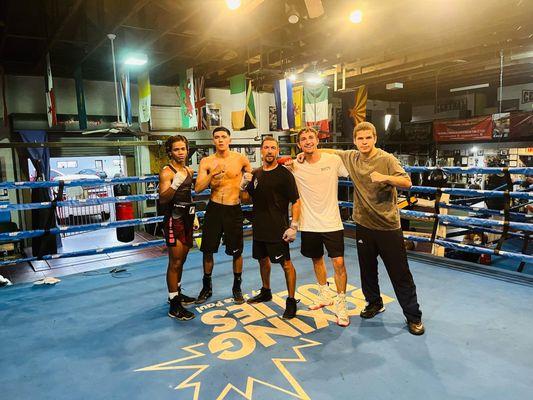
{"x": 107, "y": 336}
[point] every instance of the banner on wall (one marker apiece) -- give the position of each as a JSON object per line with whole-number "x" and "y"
{"x": 521, "y": 125}
{"x": 461, "y": 130}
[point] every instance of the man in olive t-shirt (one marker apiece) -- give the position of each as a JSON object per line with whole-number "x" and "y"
{"x": 375, "y": 175}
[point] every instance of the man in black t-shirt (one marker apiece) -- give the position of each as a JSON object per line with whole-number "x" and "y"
{"x": 271, "y": 189}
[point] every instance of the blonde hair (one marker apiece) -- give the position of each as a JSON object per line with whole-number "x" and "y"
{"x": 305, "y": 130}
{"x": 365, "y": 126}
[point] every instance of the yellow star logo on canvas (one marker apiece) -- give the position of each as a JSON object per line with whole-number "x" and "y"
{"x": 192, "y": 381}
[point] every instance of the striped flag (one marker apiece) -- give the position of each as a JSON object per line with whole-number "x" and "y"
{"x": 145, "y": 97}
{"x": 50, "y": 96}
{"x": 188, "y": 112}
{"x": 249, "y": 119}
{"x": 316, "y": 107}
{"x": 237, "y": 85}
{"x": 125, "y": 97}
{"x": 200, "y": 104}
{"x": 284, "y": 104}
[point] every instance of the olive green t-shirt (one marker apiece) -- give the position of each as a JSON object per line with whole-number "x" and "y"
{"x": 375, "y": 204}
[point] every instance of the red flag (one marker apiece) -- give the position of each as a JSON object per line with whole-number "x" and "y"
{"x": 200, "y": 103}
{"x": 50, "y": 97}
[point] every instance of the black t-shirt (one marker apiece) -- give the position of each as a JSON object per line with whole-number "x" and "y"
{"x": 271, "y": 192}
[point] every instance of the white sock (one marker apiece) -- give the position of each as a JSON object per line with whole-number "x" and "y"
{"x": 171, "y": 295}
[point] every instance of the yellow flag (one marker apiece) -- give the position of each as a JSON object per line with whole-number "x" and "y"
{"x": 298, "y": 102}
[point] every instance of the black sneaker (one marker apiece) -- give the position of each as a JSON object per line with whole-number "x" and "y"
{"x": 264, "y": 295}
{"x": 416, "y": 328}
{"x": 371, "y": 310}
{"x": 237, "y": 296}
{"x": 290, "y": 308}
{"x": 177, "y": 311}
{"x": 185, "y": 300}
{"x": 205, "y": 293}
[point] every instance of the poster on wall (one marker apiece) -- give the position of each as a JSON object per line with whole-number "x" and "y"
{"x": 201, "y": 153}
{"x": 527, "y": 96}
{"x": 250, "y": 153}
{"x": 417, "y": 131}
{"x": 214, "y": 115}
{"x": 284, "y": 150}
{"x": 272, "y": 118}
{"x": 460, "y": 130}
{"x": 501, "y": 125}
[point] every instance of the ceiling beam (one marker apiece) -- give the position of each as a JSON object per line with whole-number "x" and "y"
{"x": 73, "y": 10}
{"x": 135, "y": 7}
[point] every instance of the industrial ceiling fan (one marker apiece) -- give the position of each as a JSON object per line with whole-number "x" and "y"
{"x": 118, "y": 126}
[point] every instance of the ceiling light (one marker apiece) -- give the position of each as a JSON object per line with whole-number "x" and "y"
{"x": 292, "y": 77}
{"x": 136, "y": 59}
{"x": 292, "y": 14}
{"x": 460, "y": 89}
{"x": 356, "y": 16}
{"x": 394, "y": 86}
{"x": 313, "y": 79}
{"x": 233, "y": 4}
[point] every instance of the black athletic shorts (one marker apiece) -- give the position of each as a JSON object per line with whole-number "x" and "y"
{"x": 277, "y": 252}
{"x": 221, "y": 219}
{"x": 313, "y": 244}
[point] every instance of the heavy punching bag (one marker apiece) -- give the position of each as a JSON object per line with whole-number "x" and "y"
{"x": 124, "y": 211}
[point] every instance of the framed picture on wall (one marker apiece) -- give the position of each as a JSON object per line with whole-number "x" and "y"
{"x": 250, "y": 153}
{"x": 201, "y": 153}
{"x": 214, "y": 115}
{"x": 272, "y": 118}
{"x": 284, "y": 150}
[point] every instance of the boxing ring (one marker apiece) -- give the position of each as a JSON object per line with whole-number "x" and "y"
{"x": 101, "y": 335}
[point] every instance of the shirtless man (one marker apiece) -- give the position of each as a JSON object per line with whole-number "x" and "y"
{"x": 226, "y": 173}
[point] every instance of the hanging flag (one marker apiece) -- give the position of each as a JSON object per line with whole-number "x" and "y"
{"x": 298, "y": 101}
{"x": 80, "y": 98}
{"x": 249, "y": 119}
{"x": 237, "y": 86}
{"x": 284, "y": 104}
{"x": 200, "y": 104}
{"x": 358, "y": 112}
{"x": 125, "y": 97}
{"x": 145, "y": 96}
{"x": 316, "y": 107}
{"x": 4, "y": 102}
{"x": 188, "y": 113}
{"x": 50, "y": 97}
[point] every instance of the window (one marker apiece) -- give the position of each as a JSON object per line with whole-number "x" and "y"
{"x": 99, "y": 165}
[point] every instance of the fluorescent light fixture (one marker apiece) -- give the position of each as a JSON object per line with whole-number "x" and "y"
{"x": 521, "y": 56}
{"x": 313, "y": 79}
{"x": 472, "y": 87}
{"x": 136, "y": 59}
{"x": 356, "y": 17}
{"x": 394, "y": 86}
{"x": 233, "y": 4}
{"x": 387, "y": 120}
